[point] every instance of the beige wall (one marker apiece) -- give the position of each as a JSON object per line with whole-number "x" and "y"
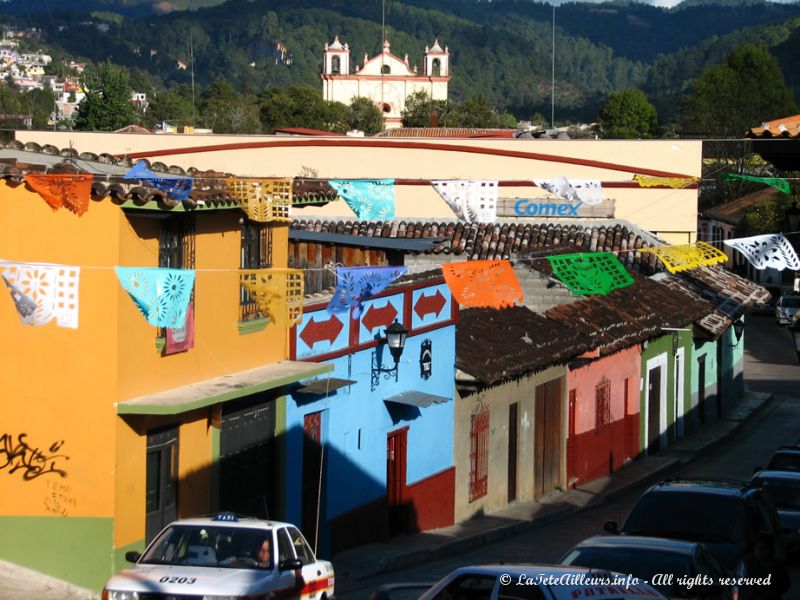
{"x": 669, "y": 213}
{"x": 497, "y": 400}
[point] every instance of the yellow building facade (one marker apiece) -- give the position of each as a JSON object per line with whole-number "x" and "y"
{"x": 106, "y": 435}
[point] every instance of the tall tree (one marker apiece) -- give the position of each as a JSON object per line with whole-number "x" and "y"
{"x": 173, "y": 106}
{"x": 226, "y": 111}
{"x": 300, "y": 106}
{"x": 747, "y": 89}
{"x": 107, "y": 105}
{"x": 364, "y": 115}
{"x": 628, "y": 114}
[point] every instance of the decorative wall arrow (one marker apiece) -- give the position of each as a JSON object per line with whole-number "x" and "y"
{"x": 375, "y": 317}
{"x": 430, "y": 304}
{"x": 317, "y": 331}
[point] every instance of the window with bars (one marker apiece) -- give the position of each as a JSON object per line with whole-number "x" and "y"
{"x": 479, "y": 456}
{"x": 602, "y": 403}
{"x": 176, "y": 247}
{"x": 256, "y": 254}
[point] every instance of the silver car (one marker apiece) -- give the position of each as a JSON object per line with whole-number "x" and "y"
{"x": 785, "y": 309}
{"x": 221, "y": 558}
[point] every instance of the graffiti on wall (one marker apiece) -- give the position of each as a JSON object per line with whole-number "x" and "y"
{"x": 59, "y": 499}
{"x": 32, "y": 462}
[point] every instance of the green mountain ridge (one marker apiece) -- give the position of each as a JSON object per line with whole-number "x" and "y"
{"x": 500, "y": 50}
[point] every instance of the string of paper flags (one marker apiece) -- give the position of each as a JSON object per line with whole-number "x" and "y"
{"x": 270, "y": 199}
{"x": 45, "y": 292}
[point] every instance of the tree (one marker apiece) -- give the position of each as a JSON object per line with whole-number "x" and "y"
{"x": 173, "y": 106}
{"x": 300, "y": 106}
{"x": 364, "y": 115}
{"x": 422, "y": 111}
{"x": 628, "y": 114}
{"x": 747, "y": 89}
{"x": 226, "y": 111}
{"x": 477, "y": 112}
{"x": 107, "y": 105}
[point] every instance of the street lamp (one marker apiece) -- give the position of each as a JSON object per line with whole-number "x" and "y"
{"x": 396, "y": 340}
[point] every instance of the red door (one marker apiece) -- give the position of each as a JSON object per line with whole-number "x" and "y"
{"x": 396, "y": 479}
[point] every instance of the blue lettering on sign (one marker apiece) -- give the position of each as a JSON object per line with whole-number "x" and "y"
{"x": 526, "y": 207}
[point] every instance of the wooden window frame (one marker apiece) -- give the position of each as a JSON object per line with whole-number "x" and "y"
{"x": 602, "y": 404}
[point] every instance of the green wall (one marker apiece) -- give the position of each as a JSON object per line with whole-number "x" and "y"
{"x": 77, "y": 550}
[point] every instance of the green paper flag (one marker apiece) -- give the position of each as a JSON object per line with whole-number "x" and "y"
{"x": 776, "y": 182}
{"x": 590, "y": 273}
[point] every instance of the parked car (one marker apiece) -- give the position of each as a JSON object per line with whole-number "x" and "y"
{"x": 668, "y": 565}
{"x": 785, "y": 309}
{"x": 727, "y": 516}
{"x": 217, "y": 557}
{"x": 537, "y": 582}
{"x": 785, "y": 458}
{"x": 783, "y": 489}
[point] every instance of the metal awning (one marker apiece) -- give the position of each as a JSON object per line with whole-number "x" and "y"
{"x": 420, "y": 399}
{"x": 323, "y": 385}
{"x": 223, "y": 389}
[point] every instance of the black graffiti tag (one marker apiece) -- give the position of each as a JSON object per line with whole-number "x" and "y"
{"x": 33, "y": 462}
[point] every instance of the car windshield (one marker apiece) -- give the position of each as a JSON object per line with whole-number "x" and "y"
{"x": 706, "y": 518}
{"x": 639, "y": 562}
{"x": 790, "y": 302}
{"x": 784, "y": 461}
{"x": 208, "y": 546}
{"x": 783, "y": 493}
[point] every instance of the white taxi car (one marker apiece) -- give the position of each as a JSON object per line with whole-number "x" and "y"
{"x": 217, "y": 558}
{"x": 539, "y": 582}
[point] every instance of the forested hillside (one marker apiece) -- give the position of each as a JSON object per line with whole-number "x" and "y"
{"x": 500, "y": 49}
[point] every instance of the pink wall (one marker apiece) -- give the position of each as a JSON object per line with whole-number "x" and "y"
{"x": 594, "y": 452}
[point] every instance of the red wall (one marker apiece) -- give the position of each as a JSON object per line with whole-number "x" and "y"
{"x": 433, "y": 500}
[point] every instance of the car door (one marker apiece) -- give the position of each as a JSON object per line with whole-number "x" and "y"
{"x": 313, "y": 577}
{"x": 468, "y": 586}
{"x": 287, "y": 578}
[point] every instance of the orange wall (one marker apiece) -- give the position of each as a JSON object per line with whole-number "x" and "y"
{"x": 58, "y": 384}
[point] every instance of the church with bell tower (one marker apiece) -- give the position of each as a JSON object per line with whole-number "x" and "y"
{"x": 385, "y": 79}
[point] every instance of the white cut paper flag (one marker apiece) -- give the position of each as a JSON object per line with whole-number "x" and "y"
{"x": 53, "y": 289}
{"x": 767, "y": 251}
{"x": 471, "y": 200}
{"x": 588, "y": 191}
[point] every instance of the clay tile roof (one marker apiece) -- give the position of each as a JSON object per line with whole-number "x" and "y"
{"x": 787, "y": 127}
{"x": 506, "y": 240}
{"x": 499, "y": 345}
{"x": 632, "y": 314}
{"x": 729, "y": 295}
{"x": 732, "y": 212}
{"x": 446, "y": 132}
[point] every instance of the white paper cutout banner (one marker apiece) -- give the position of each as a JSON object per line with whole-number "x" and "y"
{"x": 42, "y": 293}
{"x": 767, "y": 251}
{"x": 588, "y": 191}
{"x": 471, "y": 200}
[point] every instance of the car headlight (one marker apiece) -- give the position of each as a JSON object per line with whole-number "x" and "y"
{"x": 115, "y": 595}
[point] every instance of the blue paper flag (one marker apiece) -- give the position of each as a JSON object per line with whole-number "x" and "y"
{"x": 162, "y": 295}
{"x": 371, "y": 200}
{"x": 354, "y": 285}
{"x": 178, "y": 188}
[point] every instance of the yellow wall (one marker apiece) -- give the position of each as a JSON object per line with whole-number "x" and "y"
{"x": 58, "y": 384}
{"x": 670, "y": 213}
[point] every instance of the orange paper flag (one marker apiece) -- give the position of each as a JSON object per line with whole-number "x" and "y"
{"x": 489, "y": 283}
{"x": 72, "y": 191}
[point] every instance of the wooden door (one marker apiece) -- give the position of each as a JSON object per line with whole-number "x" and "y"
{"x": 572, "y": 467}
{"x": 653, "y": 410}
{"x": 701, "y": 389}
{"x": 312, "y": 476}
{"x": 547, "y": 437}
{"x": 396, "y": 479}
{"x": 512, "y": 451}
{"x": 161, "y": 478}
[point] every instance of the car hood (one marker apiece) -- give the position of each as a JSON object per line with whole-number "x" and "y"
{"x": 192, "y": 580}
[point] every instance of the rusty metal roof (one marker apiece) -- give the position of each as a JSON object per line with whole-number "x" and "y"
{"x": 632, "y": 314}
{"x": 499, "y": 345}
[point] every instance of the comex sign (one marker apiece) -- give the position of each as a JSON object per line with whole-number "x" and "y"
{"x": 527, "y": 207}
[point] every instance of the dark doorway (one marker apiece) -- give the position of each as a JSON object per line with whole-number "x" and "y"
{"x": 547, "y": 437}
{"x": 701, "y": 389}
{"x": 653, "y": 408}
{"x": 396, "y": 479}
{"x": 312, "y": 476}
{"x": 513, "y": 409}
{"x": 161, "y": 495}
{"x": 572, "y": 467}
{"x": 247, "y": 459}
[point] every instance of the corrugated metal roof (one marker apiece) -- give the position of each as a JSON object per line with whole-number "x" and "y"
{"x": 499, "y": 345}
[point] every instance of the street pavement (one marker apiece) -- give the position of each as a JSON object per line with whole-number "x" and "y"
{"x": 766, "y": 375}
